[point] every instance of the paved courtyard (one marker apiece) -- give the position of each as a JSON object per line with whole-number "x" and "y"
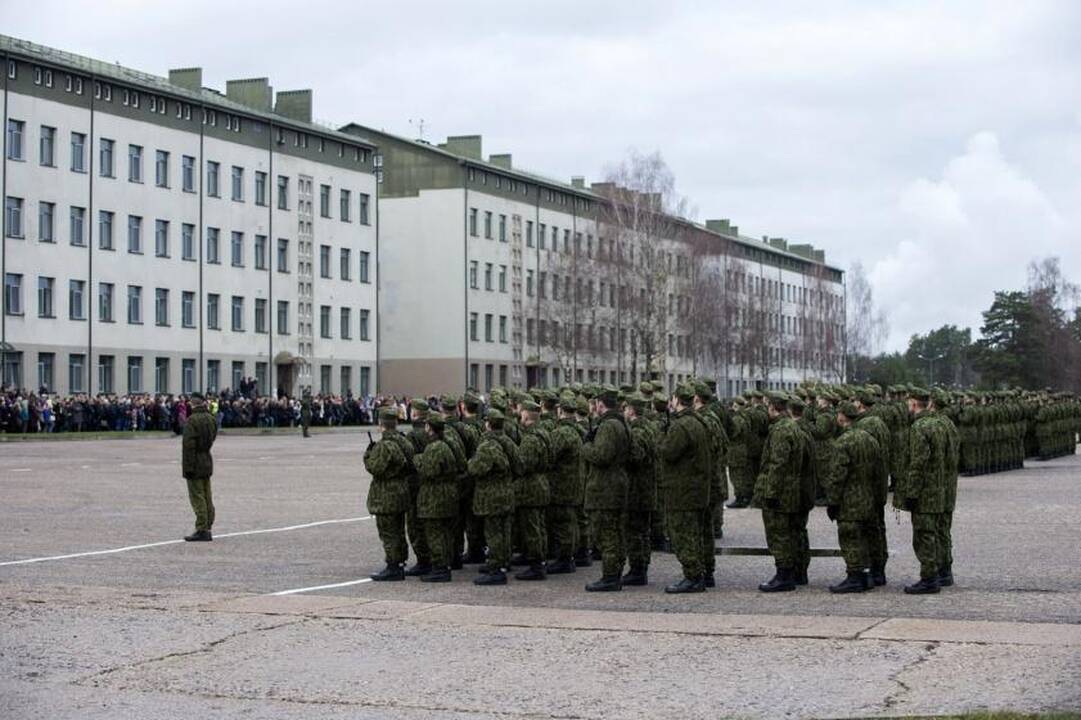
{"x": 106, "y": 613}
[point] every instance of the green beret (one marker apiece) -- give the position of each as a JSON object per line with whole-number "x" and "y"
{"x": 495, "y": 418}
{"x": 849, "y": 410}
{"x": 685, "y": 392}
{"x": 388, "y": 413}
{"x": 529, "y": 406}
{"x": 660, "y": 403}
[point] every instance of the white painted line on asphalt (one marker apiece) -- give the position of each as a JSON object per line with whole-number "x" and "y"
{"x": 321, "y": 587}
{"x": 126, "y": 548}
{"x": 19, "y": 470}
{"x": 131, "y": 464}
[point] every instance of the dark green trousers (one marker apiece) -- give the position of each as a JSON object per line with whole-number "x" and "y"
{"x": 685, "y": 531}
{"x": 607, "y": 526}
{"x": 497, "y": 533}
{"x": 855, "y": 541}
{"x": 440, "y": 536}
{"x": 202, "y": 504}
{"x": 945, "y": 540}
{"x": 742, "y": 479}
{"x": 391, "y": 529}
{"x": 585, "y": 540}
{"x": 709, "y": 542}
{"x": 786, "y": 538}
{"x": 637, "y": 534}
{"x": 418, "y": 536}
{"x": 925, "y": 534}
{"x": 562, "y": 524}
{"x": 532, "y": 533}
{"x": 877, "y": 545}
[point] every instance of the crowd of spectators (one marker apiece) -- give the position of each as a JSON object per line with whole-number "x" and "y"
{"x": 27, "y": 411}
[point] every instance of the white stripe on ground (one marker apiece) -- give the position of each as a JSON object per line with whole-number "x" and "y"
{"x": 112, "y": 551}
{"x": 19, "y": 470}
{"x": 347, "y": 583}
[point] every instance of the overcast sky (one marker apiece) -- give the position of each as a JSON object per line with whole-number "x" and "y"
{"x": 937, "y": 142}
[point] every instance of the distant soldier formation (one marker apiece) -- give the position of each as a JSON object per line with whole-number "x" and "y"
{"x": 550, "y": 481}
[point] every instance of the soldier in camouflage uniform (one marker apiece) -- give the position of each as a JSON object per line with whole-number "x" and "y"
{"x": 306, "y": 412}
{"x": 584, "y": 424}
{"x": 944, "y": 529}
{"x": 493, "y": 498}
{"x": 470, "y": 429}
{"x": 531, "y": 492}
{"x": 659, "y": 419}
{"x": 809, "y": 479}
{"x": 718, "y": 488}
{"x": 851, "y": 495}
{"x": 739, "y": 463}
{"x": 197, "y": 466}
{"x": 565, "y": 487}
{"x": 604, "y": 454}
{"x": 414, "y": 526}
{"x": 873, "y": 424}
{"x": 642, "y": 489}
{"x": 388, "y": 494}
{"x": 437, "y": 500}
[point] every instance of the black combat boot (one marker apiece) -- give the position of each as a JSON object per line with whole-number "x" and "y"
{"x": 854, "y": 582}
{"x": 437, "y": 575}
{"x": 473, "y": 557}
{"x": 636, "y": 576}
{"x": 607, "y": 583}
{"x": 582, "y": 558}
{"x": 419, "y": 570}
{"x": 390, "y": 573}
{"x": 709, "y": 581}
{"x": 199, "y": 536}
{"x": 738, "y": 503}
{"x": 926, "y": 586}
{"x": 564, "y": 566}
{"x": 595, "y": 554}
{"x": 492, "y": 577}
{"x": 800, "y": 576}
{"x": 878, "y": 576}
{"x": 783, "y": 581}
{"x": 686, "y": 585}
{"x": 519, "y": 560}
{"x": 536, "y": 571}
{"x": 945, "y": 576}
{"x": 661, "y": 544}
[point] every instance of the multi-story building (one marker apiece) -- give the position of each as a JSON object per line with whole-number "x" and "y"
{"x": 159, "y": 236}
{"x": 497, "y": 276}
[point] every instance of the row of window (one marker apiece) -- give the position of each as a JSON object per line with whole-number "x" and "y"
{"x": 489, "y": 327}
{"x": 500, "y": 182}
{"x": 775, "y": 289}
{"x": 162, "y": 171}
{"x": 78, "y": 304}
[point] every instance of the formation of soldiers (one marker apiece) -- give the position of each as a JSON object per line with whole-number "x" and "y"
{"x": 551, "y": 480}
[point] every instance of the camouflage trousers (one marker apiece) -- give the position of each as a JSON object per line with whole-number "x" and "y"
{"x": 945, "y": 540}
{"x": 855, "y": 541}
{"x": 607, "y": 527}
{"x": 926, "y": 534}
{"x": 685, "y": 529}
{"x": 418, "y": 536}
{"x": 440, "y": 536}
{"x": 562, "y": 523}
{"x": 786, "y": 538}
{"x": 391, "y": 529}
{"x": 637, "y": 532}
{"x": 878, "y": 548}
{"x": 470, "y": 528}
{"x": 585, "y": 537}
{"x": 497, "y": 532}
{"x": 202, "y": 503}
{"x": 531, "y": 533}
{"x": 742, "y": 477}
{"x": 710, "y": 523}
{"x": 658, "y": 533}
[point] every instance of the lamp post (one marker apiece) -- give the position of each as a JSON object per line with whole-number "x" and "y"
{"x": 930, "y": 360}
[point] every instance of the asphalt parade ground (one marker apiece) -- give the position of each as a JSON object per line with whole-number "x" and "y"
{"x": 107, "y": 613}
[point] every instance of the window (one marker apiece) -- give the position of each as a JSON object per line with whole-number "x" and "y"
{"x": 213, "y": 375}
{"x": 161, "y": 168}
{"x": 105, "y": 158}
{"x": 324, "y": 379}
{"x": 213, "y": 303}
{"x": 473, "y": 274}
{"x": 260, "y": 188}
{"x": 488, "y": 269}
{"x": 187, "y": 173}
{"x": 283, "y": 192}
{"x": 135, "y": 163}
{"x": 260, "y": 376}
{"x": 105, "y": 373}
{"x": 13, "y": 212}
{"x": 502, "y": 228}
{"x": 346, "y": 324}
{"x": 502, "y": 328}
{"x": 529, "y": 233}
{"x": 46, "y": 287}
{"x": 324, "y": 201}
{"x": 503, "y": 375}
{"x": 260, "y": 252}
{"x": 187, "y": 241}
{"x": 364, "y": 335}
{"x": 283, "y": 317}
{"x": 488, "y": 380}
{"x": 236, "y": 249}
{"x": 473, "y": 222}
{"x": 13, "y": 294}
{"x": 46, "y": 225}
{"x": 346, "y": 262}
{"x": 260, "y": 315}
{"x": 324, "y": 321}
{"x": 529, "y": 283}
{"x": 344, "y": 202}
{"x": 46, "y": 363}
{"x": 187, "y": 309}
{"x": 488, "y": 225}
{"x": 47, "y": 146}
{"x": 161, "y": 307}
{"x": 283, "y": 255}
{"x": 324, "y": 261}
{"x": 135, "y": 234}
{"x": 76, "y": 292}
{"x": 76, "y": 363}
{"x": 161, "y": 238}
{"x": 213, "y": 171}
{"x": 487, "y": 327}
{"x": 473, "y": 374}
{"x": 213, "y": 236}
{"x": 105, "y": 302}
{"x": 237, "y": 373}
{"x": 237, "y": 315}
{"x": 76, "y": 221}
{"x": 365, "y": 201}
{"x": 78, "y": 152}
{"x": 472, "y": 326}
{"x": 365, "y": 381}
{"x": 238, "y": 184}
{"x": 364, "y": 266}
{"x": 542, "y": 284}
{"x": 135, "y": 305}
{"x": 161, "y": 375}
{"x": 135, "y": 374}
{"x": 542, "y": 229}
{"x": 15, "y": 139}
{"x": 503, "y": 278}
{"x": 346, "y": 377}
{"x": 187, "y": 375}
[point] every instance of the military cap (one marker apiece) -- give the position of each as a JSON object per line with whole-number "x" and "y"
{"x": 388, "y": 413}
{"x": 608, "y": 394}
{"x": 810, "y": 392}
{"x": 940, "y": 396}
{"x": 568, "y": 402}
{"x": 419, "y": 408}
{"x": 626, "y": 389}
{"x": 918, "y": 393}
{"x": 660, "y": 402}
{"x": 827, "y": 395}
{"x": 866, "y": 396}
{"x": 758, "y": 394}
{"x": 795, "y": 402}
{"x": 849, "y": 410}
{"x": 685, "y": 392}
{"x": 638, "y": 401}
{"x": 471, "y": 400}
{"x": 582, "y": 407}
{"x": 701, "y": 389}
{"x": 658, "y": 386}
{"x": 495, "y": 418}
{"x": 498, "y": 402}
{"x": 777, "y": 399}
{"x": 449, "y": 402}
{"x": 436, "y": 420}
{"x": 529, "y": 406}
{"x": 645, "y": 389}
{"x": 711, "y": 384}
{"x": 536, "y": 393}
{"x": 740, "y": 400}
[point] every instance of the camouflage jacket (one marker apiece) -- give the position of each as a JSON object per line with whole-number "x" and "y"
{"x": 603, "y": 455}
{"x": 927, "y": 474}
{"x": 686, "y": 463}
{"x": 782, "y": 476}
{"x": 199, "y": 435}
{"x": 531, "y": 488}
{"x": 493, "y": 492}
{"x": 854, "y": 475}
{"x": 437, "y": 469}
{"x": 565, "y": 473}
{"x": 388, "y": 492}
{"x": 641, "y": 468}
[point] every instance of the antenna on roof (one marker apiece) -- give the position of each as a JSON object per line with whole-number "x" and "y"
{"x": 419, "y": 124}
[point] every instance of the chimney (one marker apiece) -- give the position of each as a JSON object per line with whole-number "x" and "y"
{"x": 579, "y": 182}
{"x": 803, "y": 250}
{"x": 466, "y": 145}
{"x": 820, "y": 256}
{"x": 294, "y": 104}
{"x": 187, "y": 78}
{"x": 778, "y": 243}
{"x": 255, "y": 93}
{"x": 502, "y": 161}
{"x": 722, "y": 226}
{"x": 606, "y": 189}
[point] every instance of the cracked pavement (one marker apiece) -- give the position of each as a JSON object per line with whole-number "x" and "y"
{"x": 177, "y": 630}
